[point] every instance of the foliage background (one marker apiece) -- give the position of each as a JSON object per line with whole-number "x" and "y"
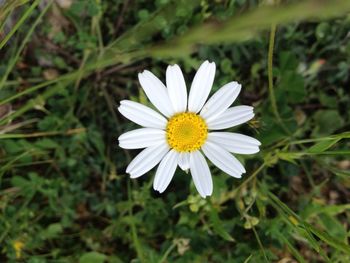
{"x": 64, "y": 194}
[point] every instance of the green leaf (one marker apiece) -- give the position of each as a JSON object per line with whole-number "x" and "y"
{"x": 287, "y": 61}
{"x": 53, "y": 230}
{"x": 327, "y": 122}
{"x": 333, "y": 226}
{"x": 47, "y": 144}
{"x": 316, "y": 209}
{"x": 92, "y": 257}
{"x": 289, "y": 156}
{"x": 293, "y": 84}
{"x": 323, "y": 145}
{"x": 218, "y": 225}
{"x": 322, "y": 30}
{"x": 20, "y": 182}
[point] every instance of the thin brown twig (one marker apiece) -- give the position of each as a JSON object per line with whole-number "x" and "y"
{"x": 121, "y": 16}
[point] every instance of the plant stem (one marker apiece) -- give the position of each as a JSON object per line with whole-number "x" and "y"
{"x": 270, "y": 73}
{"x": 270, "y": 78}
{"x": 167, "y": 252}
{"x": 135, "y": 239}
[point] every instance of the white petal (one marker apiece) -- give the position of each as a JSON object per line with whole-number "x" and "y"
{"x": 221, "y": 100}
{"x": 201, "y": 86}
{"x": 146, "y": 160}
{"x": 141, "y": 138}
{"x": 142, "y": 115}
{"x": 165, "y": 171}
{"x": 235, "y": 142}
{"x": 156, "y": 92}
{"x": 223, "y": 159}
{"x": 231, "y": 117}
{"x": 201, "y": 174}
{"x": 176, "y": 85}
{"x": 184, "y": 161}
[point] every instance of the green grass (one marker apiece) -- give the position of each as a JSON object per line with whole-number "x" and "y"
{"x": 64, "y": 194}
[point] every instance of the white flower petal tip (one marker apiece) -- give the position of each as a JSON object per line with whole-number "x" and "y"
{"x": 176, "y": 86}
{"x": 156, "y": 92}
{"x": 141, "y": 115}
{"x": 231, "y": 117}
{"x": 235, "y": 142}
{"x": 221, "y": 100}
{"x": 201, "y": 174}
{"x": 201, "y": 86}
{"x": 223, "y": 160}
{"x": 146, "y": 160}
{"x": 141, "y": 138}
{"x": 165, "y": 171}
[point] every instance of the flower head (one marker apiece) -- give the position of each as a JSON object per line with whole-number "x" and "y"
{"x": 18, "y": 246}
{"x": 186, "y": 127}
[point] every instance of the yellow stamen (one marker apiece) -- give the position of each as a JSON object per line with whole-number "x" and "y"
{"x": 186, "y": 132}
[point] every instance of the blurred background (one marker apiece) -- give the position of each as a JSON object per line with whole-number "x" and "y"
{"x": 64, "y": 194}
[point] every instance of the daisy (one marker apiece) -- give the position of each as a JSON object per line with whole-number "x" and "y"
{"x": 185, "y": 128}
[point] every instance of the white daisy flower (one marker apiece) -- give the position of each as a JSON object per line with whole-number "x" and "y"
{"x": 186, "y": 128}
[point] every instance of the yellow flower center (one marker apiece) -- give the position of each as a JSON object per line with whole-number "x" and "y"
{"x": 186, "y": 132}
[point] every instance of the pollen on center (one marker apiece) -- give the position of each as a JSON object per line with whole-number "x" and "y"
{"x": 186, "y": 132}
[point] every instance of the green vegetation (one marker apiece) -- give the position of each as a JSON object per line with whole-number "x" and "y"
{"x": 64, "y": 194}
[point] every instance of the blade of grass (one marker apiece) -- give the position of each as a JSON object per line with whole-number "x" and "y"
{"x": 292, "y": 249}
{"x": 243, "y": 27}
{"x": 298, "y": 221}
{"x": 7, "y": 8}
{"x": 344, "y": 135}
{"x": 298, "y": 155}
{"x": 42, "y": 134}
{"x": 292, "y": 219}
{"x": 14, "y": 60}
{"x": 248, "y": 259}
{"x": 23, "y": 18}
